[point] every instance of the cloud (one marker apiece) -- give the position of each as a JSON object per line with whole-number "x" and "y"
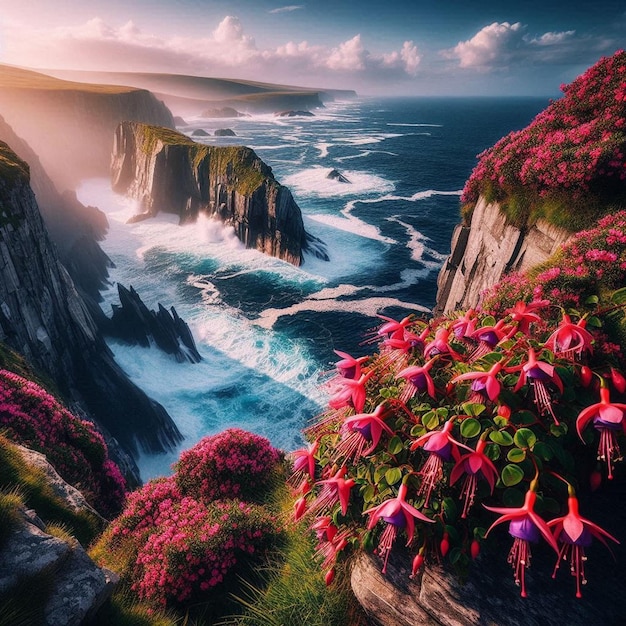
{"x": 226, "y": 50}
{"x": 502, "y": 44}
{"x": 287, "y": 9}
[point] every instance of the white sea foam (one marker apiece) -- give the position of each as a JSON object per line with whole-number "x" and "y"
{"x": 314, "y": 181}
{"x": 323, "y": 148}
{"x": 364, "y": 153}
{"x": 415, "y": 125}
{"x": 354, "y": 225}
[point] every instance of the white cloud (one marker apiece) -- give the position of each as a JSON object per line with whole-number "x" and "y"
{"x": 226, "y": 50}
{"x": 287, "y": 9}
{"x": 500, "y": 45}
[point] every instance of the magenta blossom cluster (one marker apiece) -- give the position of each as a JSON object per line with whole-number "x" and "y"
{"x": 31, "y": 416}
{"x": 576, "y": 145}
{"x": 459, "y": 417}
{"x": 234, "y": 463}
{"x": 197, "y": 547}
{"x": 193, "y": 533}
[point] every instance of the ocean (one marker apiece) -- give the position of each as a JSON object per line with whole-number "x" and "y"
{"x": 267, "y": 330}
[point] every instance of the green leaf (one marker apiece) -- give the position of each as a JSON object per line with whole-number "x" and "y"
{"x": 543, "y": 451}
{"x": 619, "y": 296}
{"x": 501, "y": 437}
{"x": 511, "y": 475}
{"x": 393, "y": 475}
{"x": 431, "y": 420}
{"x": 500, "y": 421}
{"x": 470, "y": 428}
{"x": 472, "y": 408}
{"x": 594, "y": 322}
{"x": 418, "y": 430}
{"x": 379, "y": 472}
{"x": 558, "y": 430}
{"x": 488, "y": 320}
{"x": 455, "y": 555}
{"x": 525, "y": 438}
{"x": 368, "y": 493}
{"x": 492, "y": 450}
{"x": 592, "y": 300}
{"x": 515, "y": 455}
{"x": 450, "y": 509}
{"x": 524, "y": 417}
{"x": 395, "y": 445}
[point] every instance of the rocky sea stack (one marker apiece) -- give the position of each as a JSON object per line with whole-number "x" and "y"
{"x": 166, "y": 171}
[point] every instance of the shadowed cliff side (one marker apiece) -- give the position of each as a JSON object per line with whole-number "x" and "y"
{"x": 43, "y": 317}
{"x": 167, "y": 171}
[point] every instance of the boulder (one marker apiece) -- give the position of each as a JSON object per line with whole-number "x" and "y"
{"x": 292, "y": 113}
{"x": 199, "y": 132}
{"x": 338, "y": 176}
{"x": 223, "y": 112}
{"x": 179, "y": 121}
{"x": 225, "y": 132}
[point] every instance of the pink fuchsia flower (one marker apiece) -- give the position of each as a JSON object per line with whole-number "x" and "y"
{"x": 330, "y": 542}
{"x": 348, "y": 366}
{"x": 440, "y": 345}
{"x": 392, "y": 327}
{"x": 418, "y": 380}
{"x": 525, "y": 526}
{"x": 465, "y": 325}
{"x": 472, "y": 464}
{"x": 539, "y": 374}
{"x": 351, "y": 393}
{"x": 361, "y": 433}
{"x": 485, "y": 384}
{"x": 398, "y": 514}
{"x": 570, "y": 340}
{"x": 488, "y": 338}
{"x": 524, "y": 315}
{"x": 575, "y": 533}
{"x": 607, "y": 418}
{"x": 303, "y": 463}
{"x": 334, "y": 490}
{"x": 442, "y": 447}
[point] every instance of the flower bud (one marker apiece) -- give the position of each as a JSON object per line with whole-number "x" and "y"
{"x": 444, "y": 546}
{"x": 299, "y": 508}
{"x": 618, "y": 380}
{"x": 595, "y": 480}
{"x": 586, "y": 376}
{"x": 475, "y": 548}
{"x": 418, "y": 561}
{"x": 330, "y": 576}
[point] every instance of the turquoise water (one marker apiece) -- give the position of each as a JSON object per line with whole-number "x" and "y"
{"x": 266, "y": 329}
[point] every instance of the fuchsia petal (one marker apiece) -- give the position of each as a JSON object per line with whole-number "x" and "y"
{"x": 611, "y": 413}
{"x": 493, "y": 388}
{"x": 585, "y": 416}
{"x": 573, "y": 526}
{"x": 475, "y": 463}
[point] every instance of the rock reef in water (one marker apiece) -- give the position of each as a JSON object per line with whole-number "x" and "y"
{"x": 166, "y": 171}
{"x": 338, "y": 176}
{"x": 225, "y": 132}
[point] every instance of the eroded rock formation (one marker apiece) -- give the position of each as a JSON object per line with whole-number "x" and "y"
{"x": 167, "y": 171}
{"x": 486, "y": 249}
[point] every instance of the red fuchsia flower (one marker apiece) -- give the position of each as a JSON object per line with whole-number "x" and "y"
{"x": 442, "y": 447}
{"x": 334, "y": 490}
{"x": 398, "y": 514}
{"x": 330, "y": 542}
{"x": 440, "y": 345}
{"x": 303, "y": 463}
{"x": 607, "y": 418}
{"x": 575, "y": 533}
{"x": 472, "y": 464}
{"x": 484, "y": 384}
{"x": 397, "y": 348}
{"x": 488, "y": 338}
{"x": 524, "y": 315}
{"x": 392, "y": 326}
{"x": 570, "y": 340}
{"x": 351, "y": 393}
{"x": 618, "y": 380}
{"x": 418, "y": 380}
{"x": 348, "y": 366}
{"x": 361, "y": 433}
{"x": 525, "y": 526}
{"x": 538, "y": 374}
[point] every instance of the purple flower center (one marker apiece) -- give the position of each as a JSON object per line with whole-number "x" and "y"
{"x": 479, "y": 385}
{"x": 537, "y": 373}
{"x": 600, "y": 424}
{"x": 396, "y": 520}
{"x": 524, "y": 528}
{"x": 365, "y": 430}
{"x": 584, "y": 540}
{"x": 348, "y": 372}
{"x": 419, "y": 381}
{"x": 489, "y": 337}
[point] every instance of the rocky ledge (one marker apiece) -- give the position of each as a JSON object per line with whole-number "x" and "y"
{"x": 167, "y": 171}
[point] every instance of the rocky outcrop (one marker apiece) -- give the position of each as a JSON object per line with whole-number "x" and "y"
{"x": 43, "y": 318}
{"x": 70, "y": 125}
{"x": 70, "y": 586}
{"x": 167, "y": 171}
{"x": 225, "y": 132}
{"x": 486, "y": 249}
{"x": 222, "y": 112}
{"x": 292, "y": 113}
{"x": 338, "y": 176}
{"x": 134, "y": 323}
{"x": 199, "y": 132}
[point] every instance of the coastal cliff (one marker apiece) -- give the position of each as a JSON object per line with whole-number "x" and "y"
{"x": 166, "y": 171}
{"x": 43, "y": 317}
{"x": 70, "y": 125}
{"x": 487, "y": 248}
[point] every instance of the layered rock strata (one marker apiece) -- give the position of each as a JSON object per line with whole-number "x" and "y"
{"x": 486, "y": 249}
{"x": 166, "y": 171}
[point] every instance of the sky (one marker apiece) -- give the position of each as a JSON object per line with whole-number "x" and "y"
{"x": 377, "y": 47}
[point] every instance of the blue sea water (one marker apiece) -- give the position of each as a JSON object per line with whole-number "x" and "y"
{"x": 265, "y": 329}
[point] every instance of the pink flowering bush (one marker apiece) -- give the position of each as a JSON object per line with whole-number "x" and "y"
{"x": 200, "y": 547}
{"x": 234, "y": 463}
{"x": 29, "y": 415}
{"x": 457, "y": 420}
{"x": 575, "y": 148}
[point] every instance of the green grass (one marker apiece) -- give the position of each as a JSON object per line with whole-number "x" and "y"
{"x": 32, "y": 484}
{"x": 12, "y": 168}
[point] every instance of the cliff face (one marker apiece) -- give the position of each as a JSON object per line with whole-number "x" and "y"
{"x": 70, "y": 125}
{"x": 486, "y": 249}
{"x": 166, "y": 171}
{"x": 43, "y": 317}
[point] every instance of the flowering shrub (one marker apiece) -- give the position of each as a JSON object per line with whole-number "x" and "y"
{"x": 198, "y": 547}
{"x": 31, "y": 416}
{"x": 229, "y": 464}
{"x": 576, "y": 146}
{"x": 460, "y": 417}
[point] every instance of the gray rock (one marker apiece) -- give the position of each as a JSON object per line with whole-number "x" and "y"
{"x": 338, "y": 176}
{"x": 199, "y": 132}
{"x": 225, "y": 132}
